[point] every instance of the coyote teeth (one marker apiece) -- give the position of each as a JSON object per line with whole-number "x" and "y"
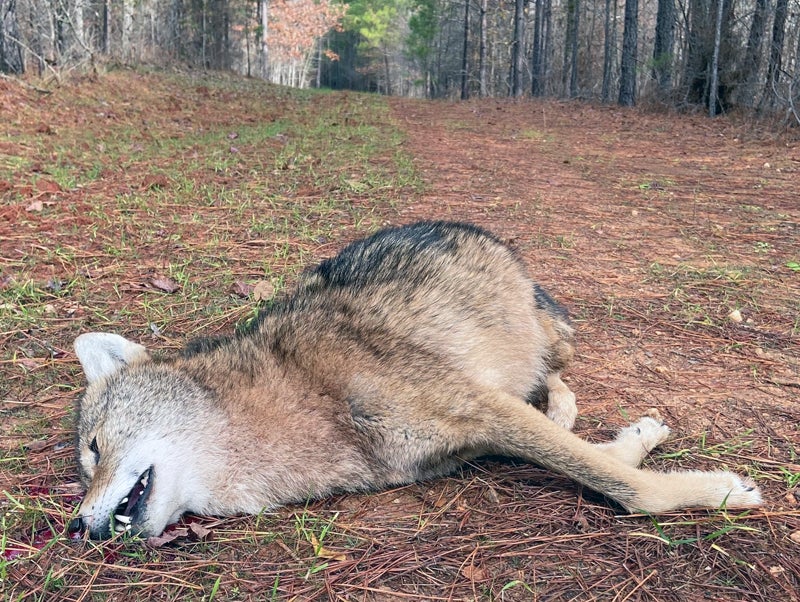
{"x": 123, "y": 518}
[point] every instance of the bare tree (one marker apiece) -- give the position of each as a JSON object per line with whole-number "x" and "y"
{"x": 630, "y": 34}
{"x": 516, "y": 48}
{"x": 482, "y": 50}
{"x": 263, "y": 16}
{"x": 465, "y": 55}
{"x": 713, "y": 95}
{"x": 10, "y": 49}
{"x": 775, "y": 54}
{"x": 609, "y": 46}
{"x": 663, "y": 44}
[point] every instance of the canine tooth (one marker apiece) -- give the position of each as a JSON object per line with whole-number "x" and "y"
{"x": 123, "y": 518}
{"x": 121, "y": 528}
{"x": 124, "y": 500}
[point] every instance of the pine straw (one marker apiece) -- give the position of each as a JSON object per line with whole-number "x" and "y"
{"x": 652, "y": 228}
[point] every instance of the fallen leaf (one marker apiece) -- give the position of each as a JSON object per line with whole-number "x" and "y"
{"x": 155, "y": 182}
{"x": 35, "y": 206}
{"x": 474, "y": 573}
{"x": 43, "y": 185}
{"x": 163, "y": 283}
{"x": 795, "y": 536}
{"x": 322, "y": 552}
{"x": 29, "y": 363}
{"x": 735, "y": 316}
{"x": 198, "y": 532}
{"x": 36, "y": 446}
{"x": 263, "y": 290}
{"x": 167, "y": 537}
{"x": 241, "y": 289}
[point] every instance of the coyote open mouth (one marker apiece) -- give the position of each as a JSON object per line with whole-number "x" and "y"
{"x": 130, "y": 507}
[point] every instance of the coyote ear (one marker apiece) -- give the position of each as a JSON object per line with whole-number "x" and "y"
{"x": 102, "y": 354}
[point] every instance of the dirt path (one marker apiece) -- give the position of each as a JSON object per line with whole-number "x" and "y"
{"x": 653, "y": 229}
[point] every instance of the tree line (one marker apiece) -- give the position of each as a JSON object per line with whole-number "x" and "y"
{"x": 711, "y": 54}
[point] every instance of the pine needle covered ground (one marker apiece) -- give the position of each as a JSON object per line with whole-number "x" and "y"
{"x": 166, "y": 206}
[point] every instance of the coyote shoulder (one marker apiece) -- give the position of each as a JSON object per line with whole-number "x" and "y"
{"x": 408, "y": 353}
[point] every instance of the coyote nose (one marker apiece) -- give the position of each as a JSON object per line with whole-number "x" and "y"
{"x": 76, "y": 525}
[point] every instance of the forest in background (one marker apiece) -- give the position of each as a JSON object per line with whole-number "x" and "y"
{"x": 713, "y": 55}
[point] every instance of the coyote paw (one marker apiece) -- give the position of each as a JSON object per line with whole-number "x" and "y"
{"x": 649, "y": 432}
{"x": 634, "y": 442}
{"x": 561, "y": 408}
{"x": 736, "y": 491}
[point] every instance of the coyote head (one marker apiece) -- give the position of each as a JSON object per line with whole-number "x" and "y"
{"x": 141, "y": 426}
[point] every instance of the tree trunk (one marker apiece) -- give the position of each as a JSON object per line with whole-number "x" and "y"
{"x": 573, "y": 71}
{"x": 388, "y": 87}
{"x": 609, "y": 29}
{"x": 752, "y": 56}
{"x": 699, "y": 51}
{"x": 536, "y": 53}
{"x": 465, "y": 55}
{"x": 516, "y": 48}
{"x": 127, "y": 30}
{"x": 713, "y": 95}
{"x": 627, "y": 75}
{"x": 105, "y": 42}
{"x": 570, "y": 32}
{"x": 775, "y": 54}
{"x": 264, "y": 21}
{"x": 10, "y": 50}
{"x": 663, "y": 44}
{"x": 482, "y": 51}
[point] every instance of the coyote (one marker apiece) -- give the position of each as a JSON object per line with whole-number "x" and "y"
{"x": 405, "y": 355}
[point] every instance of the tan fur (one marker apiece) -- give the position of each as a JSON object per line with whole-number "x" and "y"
{"x": 404, "y": 356}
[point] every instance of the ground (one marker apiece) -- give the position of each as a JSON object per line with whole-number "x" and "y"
{"x": 163, "y": 206}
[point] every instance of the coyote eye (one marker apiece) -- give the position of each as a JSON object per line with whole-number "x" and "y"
{"x": 95, "y": 450}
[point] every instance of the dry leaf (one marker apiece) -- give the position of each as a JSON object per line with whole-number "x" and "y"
{"x": 474, "y": 573}
{"x": 795, "y": 537}
{"x": 263, "y": 291}
{"x": 36, "y": 206}
{"x": 322, "y": 552}
{"x": 735, "y": 316}
{"x": 155, "y": 182}
{"x": 46, "y": 186}
{"x": 167, "y": 537}
{"x": 36, "y": 446}
{"x": 241, "y": 289}
{"x": 163, "y": 283}
{"x": 198, "y": 532}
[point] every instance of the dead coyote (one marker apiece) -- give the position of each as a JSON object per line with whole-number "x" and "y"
{"x": 408, "y": 353}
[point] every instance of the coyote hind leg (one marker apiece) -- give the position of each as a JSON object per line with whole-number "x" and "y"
{"x": 634, "y": 442}
{"x": 517, "y": 429}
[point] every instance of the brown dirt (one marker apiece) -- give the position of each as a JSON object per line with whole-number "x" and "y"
{"x": 651, "y": 228}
